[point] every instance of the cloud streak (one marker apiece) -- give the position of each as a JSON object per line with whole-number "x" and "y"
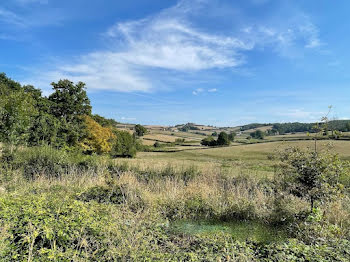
{"x": 171, "y": 42}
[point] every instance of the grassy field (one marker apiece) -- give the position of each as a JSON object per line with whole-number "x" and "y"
{"x": 206, "y": 204}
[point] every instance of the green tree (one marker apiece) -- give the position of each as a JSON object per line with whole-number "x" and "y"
{"x": 69, "y": 103}
{"x": 232, "y": 136}
{"x": 17, "y": 110}
{"x": 310, "y": 175}
{"x": 44, "y": 130}
{"x": 105, "y": 122}
{"x": 348, "y": 126}
{"x": 124, "y": 145}
{"x": 208, "y": 141}
{"x": 223, "y": 139}
{"x": 69, "y": 100}
{"x": 140, "y": 130}
{"x": 258, "y": 134}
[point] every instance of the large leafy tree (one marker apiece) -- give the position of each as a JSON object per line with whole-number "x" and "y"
{"x": 69, "y": 100}
{"x": 69, "y": 103}
{"x": 140, "y": 130}
{"x": 223, "y": 139}
{"x": 98, "y": 139}
{"x": 17, "y": 110}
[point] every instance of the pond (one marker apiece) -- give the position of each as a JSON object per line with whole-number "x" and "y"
{"x": 239, "y": 230}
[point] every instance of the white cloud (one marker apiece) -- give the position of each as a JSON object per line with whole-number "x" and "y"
{"x": 198, "y": 91}
{"x": 11, "y": 18}
{"x": 170, "y": 41}
{"x": 201, "y": 90}
{"x": 311, "y": 33}
{"x": 26, "y": 2}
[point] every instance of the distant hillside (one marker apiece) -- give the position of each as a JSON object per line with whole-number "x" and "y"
{"x": 295, "y": 127}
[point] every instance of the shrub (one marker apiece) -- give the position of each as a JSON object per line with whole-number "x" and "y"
{"x": 208, "y": 141}
{"x": 43, "y": 161}
{"x": 157, "y": 144}
{"x": 124, "y": 145}
{"x": 258, "y": 134}
{"x": 140, "y": 130}
{"x": 310, "y": 175}
{"x": 103, "y": 194}
{"x": 51, "y": 163}
{"x": 223, "y": 139}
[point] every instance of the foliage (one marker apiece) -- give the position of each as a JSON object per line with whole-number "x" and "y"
{"x": 69, "y": 100}
{"x": 103, "y": 194}
{"x": 140, "y": 130}
{"x": 188, "y": 126}
{"x": 208, "y": 141}
{"x": 252, "y": 126}
{"x": 63, "y": 120}
{"x": 258, "y": 134}
{"x": 157, "y": 144}
{"x": 232, "y": 136}
{"x": 283, "y": 128}
{"x": 124, "y": 145}
{"x": 17, "y": 111}
{"x": 46, "y": 161}
{"x": 105, "y": 122}
{"x": 311, "y": 175}
{"x": 223, "y": 139}
{"x": 44, "y": 130}
{"x": 98, "y": 138}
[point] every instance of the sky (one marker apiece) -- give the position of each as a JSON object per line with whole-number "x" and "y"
{"x": 167, "y": 62}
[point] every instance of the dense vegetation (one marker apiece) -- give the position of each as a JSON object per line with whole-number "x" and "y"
{"x": 284, "y": 128}
{"x": 64, "y": 198}
{"x": 57, "y": 205}
{"x": 252, "y": 126}
{"x": 61, "y": 120}
{"x": 188, "y": 126}
{"x": 223, "y": 139}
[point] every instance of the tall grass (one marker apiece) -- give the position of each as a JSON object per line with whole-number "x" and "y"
{"x": 64, "y": 206}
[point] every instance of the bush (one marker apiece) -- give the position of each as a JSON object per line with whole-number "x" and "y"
{"x": 258, "y": 134}
{"x": 223, "y": 139}
{"x": 208, "y": 141}
{"x": 140, "y": 130}
{"x": 124, "y": 145}
{"x": 43, "y": 161}
{"x": 50, "y": 162}
{"x": 310, "y": 175}
{"x": 103, "y": 194}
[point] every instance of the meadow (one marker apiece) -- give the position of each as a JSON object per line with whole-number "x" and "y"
{"x": 216, "y": 204}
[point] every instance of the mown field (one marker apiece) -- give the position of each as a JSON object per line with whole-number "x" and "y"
{"x": 216, "y": 204}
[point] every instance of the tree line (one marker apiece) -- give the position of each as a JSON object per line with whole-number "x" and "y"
{"x": 223, "y": 139}
{"x": 64, "y": 119}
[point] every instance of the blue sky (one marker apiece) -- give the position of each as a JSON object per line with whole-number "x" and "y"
{"x": 218, "y": 62}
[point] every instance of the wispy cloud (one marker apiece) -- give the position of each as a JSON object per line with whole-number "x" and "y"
{"x": 26, "y": 2}
{"x": 9, "y": 17}
{"x": 171, "y": 41}
{"x": 202, "y": 90}
{"x": 198, "y": 91}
